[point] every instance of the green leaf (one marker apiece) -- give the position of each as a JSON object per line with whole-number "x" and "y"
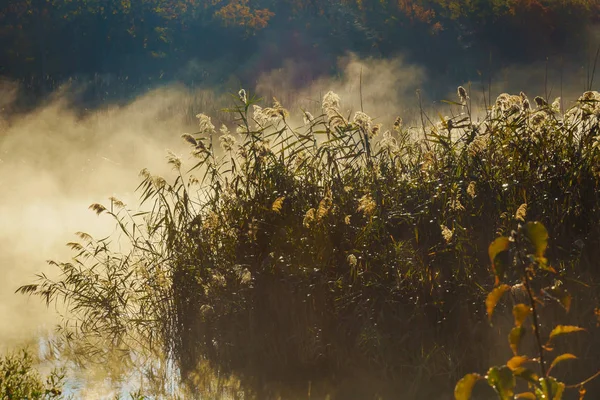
{"x": 564, "y": 329}
{"x": 537, "y": 234}
{"x": 550, "y": 388}
{"x": 464, "y": 387}
{"x": 493, "y": 297}
{"x": 502, "y": 380}
{"x": 562, "y": 357}
{"x": 514, "y": 338}
{"x": 520, "y": 312}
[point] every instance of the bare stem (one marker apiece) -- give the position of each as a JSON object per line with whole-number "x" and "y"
{"x": 536, "y": 331}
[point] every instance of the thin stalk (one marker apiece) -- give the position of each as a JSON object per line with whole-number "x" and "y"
{"x": 536, "y": 331}
{"x": 422, "y": 113}
{"x": 360, "y": 90}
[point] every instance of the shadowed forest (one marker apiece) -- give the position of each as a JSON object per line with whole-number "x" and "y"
{"x": 124, "y": 47}
{"x": 289, "y": 199}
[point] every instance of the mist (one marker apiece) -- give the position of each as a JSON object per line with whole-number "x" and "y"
{"x": 60, "y": 156}
{"x": 55, "y": 162}
{"x": 57, "y": 159}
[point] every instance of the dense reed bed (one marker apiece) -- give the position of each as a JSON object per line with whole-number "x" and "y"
{"x": 329, "y": 255}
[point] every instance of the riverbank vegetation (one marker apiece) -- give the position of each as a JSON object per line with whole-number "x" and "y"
{"x": 330, "y": 255}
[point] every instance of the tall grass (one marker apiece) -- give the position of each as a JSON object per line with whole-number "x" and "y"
{"x": 333, "y": 256}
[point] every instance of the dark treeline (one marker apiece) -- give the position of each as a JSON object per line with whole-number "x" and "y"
{"x": 207, "y": 42}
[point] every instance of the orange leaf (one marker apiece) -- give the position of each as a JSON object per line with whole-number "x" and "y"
{"x": 516, "y": 362}
{"x": 514, "y": 338}
{"x": 520, "y": 312}
{"x": 526, "y": 395}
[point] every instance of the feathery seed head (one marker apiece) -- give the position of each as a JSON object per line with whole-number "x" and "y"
{"x": 388, "y": 142}
{"x": 362, "y": 120}
{"x": 227, "y": 141}
{"x": 205, "y": 124}
{"x": 144, "y": 173}
{"x": 590, "y": 95}
{"x": 471, "y": 189}
{"x": 193, "y": 180}
{"x": 331, "y": 108}
{"x": 260, "y": 117}
{"x": 245, "y": 276}
{"x": 308, "y": 118}
{"x": 478, "y": 145}
{"x": 331, "y": 101}
{"x": 190, "y": 139}
{"x": 366, "y": 205}
{"x": 278, "y": 204}
{"x": 325, "y": 206}
{"x": 398, "y": 124}
{"x": 159, "y": 182}
{"x": 454, "y": 203}
{"x": 556, "y": 105}
{"x": 521, "y": 213}
{"x": 374, "y": 131}
{"x": 352, "y": 260}
{"x": 98, "y": 208}
{"x": 506, "y": 103}
{"x": 278, "y": 110}
{"x": 540, "y": 101}
{"x": 174, "y": 160}
{"x": 309, "y": 218}
{"x": 447, "y": 234}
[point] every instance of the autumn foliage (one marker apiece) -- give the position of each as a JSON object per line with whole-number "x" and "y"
{"x": 63, "y": 37}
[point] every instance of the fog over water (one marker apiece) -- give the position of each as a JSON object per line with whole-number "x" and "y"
{"x": 57, "y": 159}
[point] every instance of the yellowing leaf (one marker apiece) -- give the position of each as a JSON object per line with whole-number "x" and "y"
{"x": 564, "y": 329}
{"x": 498, "y": 252}
{"x": 493, "y": 297}
{"x": 516, "y": 362}
{"x": 514, "y": 338}
{"x": 497, "y": 246}
{"x": 520, "y": 312}
{"x": 562, "y": 357}
{"x": 526, "y": 395}
{"x": 464, "y": 387}
{"x": 526, "y": 374}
